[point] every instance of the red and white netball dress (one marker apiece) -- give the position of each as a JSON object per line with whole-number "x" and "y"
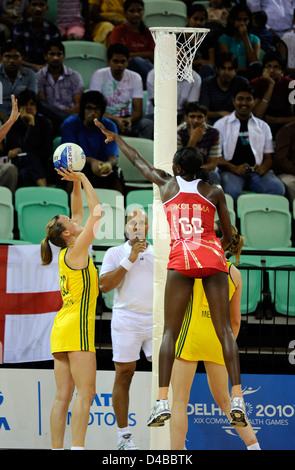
{"x": 194, "y": 249}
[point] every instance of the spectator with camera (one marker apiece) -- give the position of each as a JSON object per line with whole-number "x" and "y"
{"x": 247, "y": 147}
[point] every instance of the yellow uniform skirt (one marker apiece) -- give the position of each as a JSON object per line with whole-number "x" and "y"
{"x": 197, "y": 340}
{"x": 74, "y": 324}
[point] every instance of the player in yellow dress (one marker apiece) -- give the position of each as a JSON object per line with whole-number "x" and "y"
{"x": 72, "y": 335}
{"x": 198, "y": 341}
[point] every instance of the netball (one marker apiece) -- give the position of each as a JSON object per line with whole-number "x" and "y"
{"x": 69, "y": 156}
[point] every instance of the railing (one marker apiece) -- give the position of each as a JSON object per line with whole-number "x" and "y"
{"x": 267, "y": 334}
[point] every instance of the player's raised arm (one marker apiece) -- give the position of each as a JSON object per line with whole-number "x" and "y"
{"x": 151, "y": 173}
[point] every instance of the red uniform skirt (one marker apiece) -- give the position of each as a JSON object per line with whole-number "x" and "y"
{"x": 197, "y": 258}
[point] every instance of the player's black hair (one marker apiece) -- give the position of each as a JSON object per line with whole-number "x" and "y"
{"x": 190, "y": 161}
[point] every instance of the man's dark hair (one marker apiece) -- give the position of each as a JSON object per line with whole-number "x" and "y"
{"x": 193, "y": 106}
{"x": 117, "y": 48}
{"x": 246, "y": 88}
{"x": 10, "y": 45}
{"x": 274, "y": 55}
{"x": 226, "y": 57}
{"x": 93, "y": 97}
{"x": 54, "y": 43}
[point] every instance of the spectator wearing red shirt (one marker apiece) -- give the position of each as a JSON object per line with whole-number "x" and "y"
{"x": 137, "y": 37}
{"x": 272, "y": 92}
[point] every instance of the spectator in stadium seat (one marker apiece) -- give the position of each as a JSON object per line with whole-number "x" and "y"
{"x": 101, "y": 159}
{"x": 284, "y": 159}
{"x": 217, "y": 92}
{"x": 134, "y": 34}
{"x": 14, "y": 77}
{"x": 34, "y": 32}
{"x": 123, "y": 91}
{"x": 247, "y": 150}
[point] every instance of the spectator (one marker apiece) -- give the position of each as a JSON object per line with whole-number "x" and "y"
{"x": 237, "y": 39}
{"x": 137, "y": 37}
{"x": 217, "y": 92}
{"x": 204, "y": 60}
{"x": 13, "y": 76}
{"x": 279, "y": 13}
{"x": 29, "y": 142}
{"x": 284, "y": 160}
{"x": 105, "y": 15}
{"x": 268, "y": 38}
{"x": 101, "y": 159}
{"x": 34, "y": 31}
{"x": 186, "y": 92}
{"x": 247, "y": 150}
{"x": 72, "y": 18}
{"x": 195, "y": 132}
{"x": 129, "y": 269}
{"x": 12, "y": 12}
{"x": 218, "y": 10}
{"x": 272, "y": 92}
{"x": 8, "y": 171}
{"x": 123, "y": 91}
{"x": 59, "y": 87}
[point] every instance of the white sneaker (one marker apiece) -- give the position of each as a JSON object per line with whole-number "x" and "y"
{"x": 126, "y": 443}
{"x": 238, "y": 412}
{"x": 160, "y": 413}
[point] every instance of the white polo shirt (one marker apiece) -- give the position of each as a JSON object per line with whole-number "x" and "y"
{"x": 260, "y": 136}
{"x": 135, "y": 291}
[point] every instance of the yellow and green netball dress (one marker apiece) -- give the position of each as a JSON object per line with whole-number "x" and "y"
{"x": 73, "y": 328}
{"x": 197, "y": 340}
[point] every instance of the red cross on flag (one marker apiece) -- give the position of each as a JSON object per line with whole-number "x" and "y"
{"x": 29, "y": 300}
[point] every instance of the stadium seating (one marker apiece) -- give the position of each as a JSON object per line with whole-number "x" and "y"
{"x": 132, "y": 176}
{"x": 35, "y": 206}
{"x": 85, "y": 57}
{"x": 164, "y": 13}
{"x": 265, "y": 221}
{"x": 251, "y": 283}
{"x": 111, "y": 229}
{"x": 6, "y": 213}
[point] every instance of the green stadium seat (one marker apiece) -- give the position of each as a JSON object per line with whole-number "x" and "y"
{"x": 6, "y": 213}
{"x": 164, "y": 13}
{"x": 85, "y": 57}
{"x": 265, "y": 221}
{"x": 35, "y": 206}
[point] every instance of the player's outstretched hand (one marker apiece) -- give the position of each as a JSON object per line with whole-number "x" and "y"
{"x": 110, "y": 136}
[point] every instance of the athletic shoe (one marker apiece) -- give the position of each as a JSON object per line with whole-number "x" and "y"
{"x": 238, "y": 412}
{"x": 126, "y": 443}
{"x": 160, "y": 413}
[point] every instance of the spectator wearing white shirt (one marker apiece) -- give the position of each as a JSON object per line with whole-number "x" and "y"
{"x": 123, "y": 90}
{"x": 279, "y": 13}
{"x": 128, "y": 269}
{"x": 186, "y": 92}
{"x": 247, "y": 150}
{"x": 59, "y": 87}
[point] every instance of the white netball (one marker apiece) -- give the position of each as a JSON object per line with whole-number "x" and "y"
{"x": 69, "y": 156}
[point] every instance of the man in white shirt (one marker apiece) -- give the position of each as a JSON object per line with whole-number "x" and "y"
{"x": 247, "y": 150}
{"x": 279, "y": 13}
{"x": 123, "y": 90}
{"x": 129, "y": 269}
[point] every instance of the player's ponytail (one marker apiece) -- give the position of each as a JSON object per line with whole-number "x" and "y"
{"x": 54, "y": 231}
{"x": 236, "y": 246}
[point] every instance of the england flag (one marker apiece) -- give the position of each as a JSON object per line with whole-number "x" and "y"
{"x": 29, "y": 300}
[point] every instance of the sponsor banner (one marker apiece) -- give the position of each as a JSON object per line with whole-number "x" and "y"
{"x": 270, "y": 405}
{"x": 26, "y": 398}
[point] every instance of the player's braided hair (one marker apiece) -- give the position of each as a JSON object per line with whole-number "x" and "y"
{"x": 190, "y": 161}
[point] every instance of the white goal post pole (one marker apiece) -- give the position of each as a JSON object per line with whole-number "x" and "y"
{"x": 165, "y": 144}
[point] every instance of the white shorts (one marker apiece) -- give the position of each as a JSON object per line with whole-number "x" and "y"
{"x": 131, "y": 332}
